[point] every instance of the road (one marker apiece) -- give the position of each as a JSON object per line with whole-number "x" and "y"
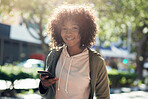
{"x": 130, "y": 95}
{"x": 140, "y": 92}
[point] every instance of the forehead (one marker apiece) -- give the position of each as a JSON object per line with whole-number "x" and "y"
{"x": 70, "y": 22}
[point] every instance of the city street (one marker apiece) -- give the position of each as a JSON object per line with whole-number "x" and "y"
{"x": 139, "y": 92}
{"x": 130, "y": 95}
{"x": 92, "y": 48}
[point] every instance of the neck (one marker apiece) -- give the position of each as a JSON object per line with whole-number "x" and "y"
{"x": 74, "y": 51}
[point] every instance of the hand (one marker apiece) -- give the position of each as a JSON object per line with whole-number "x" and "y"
{"x": 47, "y": 82}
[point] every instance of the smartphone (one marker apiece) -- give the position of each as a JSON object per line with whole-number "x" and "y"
{"x": 46, "y": 73}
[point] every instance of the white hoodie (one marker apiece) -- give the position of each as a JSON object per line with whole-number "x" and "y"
{"x": 73, "y": 73}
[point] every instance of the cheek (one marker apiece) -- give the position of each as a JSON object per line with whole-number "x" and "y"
{"x": 62, "y": 35}
{"x": 79, "y": 37}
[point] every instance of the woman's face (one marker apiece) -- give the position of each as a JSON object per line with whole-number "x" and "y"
{"x": 70, "y": 34}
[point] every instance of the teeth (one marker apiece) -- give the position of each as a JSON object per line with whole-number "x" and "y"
{"x": 69, "y": 38}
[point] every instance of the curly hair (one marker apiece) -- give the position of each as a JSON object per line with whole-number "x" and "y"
{"x": 82, "y": 15}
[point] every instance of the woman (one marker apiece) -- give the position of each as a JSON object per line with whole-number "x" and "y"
{"x": 79, "y": 72}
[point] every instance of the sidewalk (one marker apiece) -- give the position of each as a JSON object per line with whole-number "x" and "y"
{"x": 142, "y": 87}
{"x": 140, "y": 91}
{"x": 130, "y": 95}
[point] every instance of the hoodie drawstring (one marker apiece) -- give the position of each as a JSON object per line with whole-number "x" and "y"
{"x": 66, "y": 85}
{"x": 60, "y": 73}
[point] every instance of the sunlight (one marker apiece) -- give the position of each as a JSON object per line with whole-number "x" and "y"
{"x": 26, "y": 84}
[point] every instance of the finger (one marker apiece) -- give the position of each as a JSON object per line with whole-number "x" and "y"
{"x": 47, "y": 81}
{"x": 40, "y": 76}
{"x": 52, "y": 80}
{"x": 55, "y": 79}
{"x": 47, "y": 84}
{"x": 44, "y": 77}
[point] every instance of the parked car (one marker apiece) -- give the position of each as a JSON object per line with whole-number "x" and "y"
{"x": 145, "y": 65}
{"x": 108, "y": 68}
{"x": 32, "y": 63}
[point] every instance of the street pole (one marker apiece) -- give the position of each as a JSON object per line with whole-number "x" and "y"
{"x": 129, "y": 44}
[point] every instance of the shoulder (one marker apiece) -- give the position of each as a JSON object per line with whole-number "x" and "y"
{"x": 95, "y": 55}
{"x": 52, "y": 57}
{"x": 54, "y": 52}
{"x": 97, "y": 62}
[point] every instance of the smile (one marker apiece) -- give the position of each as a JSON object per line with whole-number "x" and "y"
{"x": 69, "y": 38}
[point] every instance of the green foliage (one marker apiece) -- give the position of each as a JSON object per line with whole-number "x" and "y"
{"x": 4, "y": 76}
{"x": 12, "y": 73}
{"x": 115, "y": 16}
{"x": 120, "y": 79}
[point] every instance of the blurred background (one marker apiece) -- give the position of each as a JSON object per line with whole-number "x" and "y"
{"x": 122, "y": 40}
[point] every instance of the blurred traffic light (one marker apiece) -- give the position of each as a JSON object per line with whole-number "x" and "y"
{"x": 124, "y": 61}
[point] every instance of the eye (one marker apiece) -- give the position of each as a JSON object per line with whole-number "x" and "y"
{"x": 64, "y": 28}
{"x": 74, "y": 27}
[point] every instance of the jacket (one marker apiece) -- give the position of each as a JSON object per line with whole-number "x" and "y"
{"x": 99, "y": 84}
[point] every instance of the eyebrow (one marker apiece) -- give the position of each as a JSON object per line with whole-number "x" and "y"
{"x": 72, "y": 24}
{"x": 75, "y": 24}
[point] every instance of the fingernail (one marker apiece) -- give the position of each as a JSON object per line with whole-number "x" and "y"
{"x": 55, "y": 78}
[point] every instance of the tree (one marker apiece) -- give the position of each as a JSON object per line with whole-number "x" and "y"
{"x": 5, "y": 8}
{"x": 115, "y": 16}
{"x": 35, "y": 15}
{"x": 6, "y": 5}
{"x": 119, "y": 14}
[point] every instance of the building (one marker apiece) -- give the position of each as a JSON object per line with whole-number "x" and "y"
{"x": 16, "y": 44}
{"x": 116, "y": 57}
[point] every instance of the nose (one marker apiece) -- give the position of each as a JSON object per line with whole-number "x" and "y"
{"x": 68, "y": 31}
